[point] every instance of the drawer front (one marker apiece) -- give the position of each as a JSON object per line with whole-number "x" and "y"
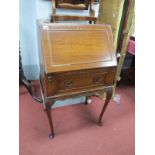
{"x": 74, "y": 81}
{"x": 79, "y": 81}
{"x": 84, "y": 80}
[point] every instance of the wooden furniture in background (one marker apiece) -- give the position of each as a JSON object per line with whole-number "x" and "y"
{"x": 75, "y": 60}
{"x": 73, "y": 4}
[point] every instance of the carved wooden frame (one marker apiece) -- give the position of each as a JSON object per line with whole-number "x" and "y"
{"x": 90, "y": 18}
{"x": 86, "y": 3}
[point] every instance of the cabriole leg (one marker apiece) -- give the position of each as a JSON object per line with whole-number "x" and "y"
{"x": 108, "y": 97}
{"x": 48, "y": 111}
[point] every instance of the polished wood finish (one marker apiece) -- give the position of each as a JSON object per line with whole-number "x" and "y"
{"x": 73, "y": 4}
{"x": 62, "y": 46}
{"x": 108, "y": 97}
{"x": 75, "y": 60}
{"x": 49, "y": 116}
{"x": 70, "y": 82}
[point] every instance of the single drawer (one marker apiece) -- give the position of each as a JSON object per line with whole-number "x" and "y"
{"x": 79, "y": 80}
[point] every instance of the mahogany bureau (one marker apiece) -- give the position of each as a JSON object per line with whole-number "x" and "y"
{"x": 75, "y": 60}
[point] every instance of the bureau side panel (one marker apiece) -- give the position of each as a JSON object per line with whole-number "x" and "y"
{"x": 41, "y": 60}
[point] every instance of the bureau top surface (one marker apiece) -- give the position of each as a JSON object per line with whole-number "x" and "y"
{"x": 70, "y": 47}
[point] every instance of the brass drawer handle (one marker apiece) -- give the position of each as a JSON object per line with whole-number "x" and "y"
{"x": 97, "y": 80}
{"x": 68, "y": 84}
